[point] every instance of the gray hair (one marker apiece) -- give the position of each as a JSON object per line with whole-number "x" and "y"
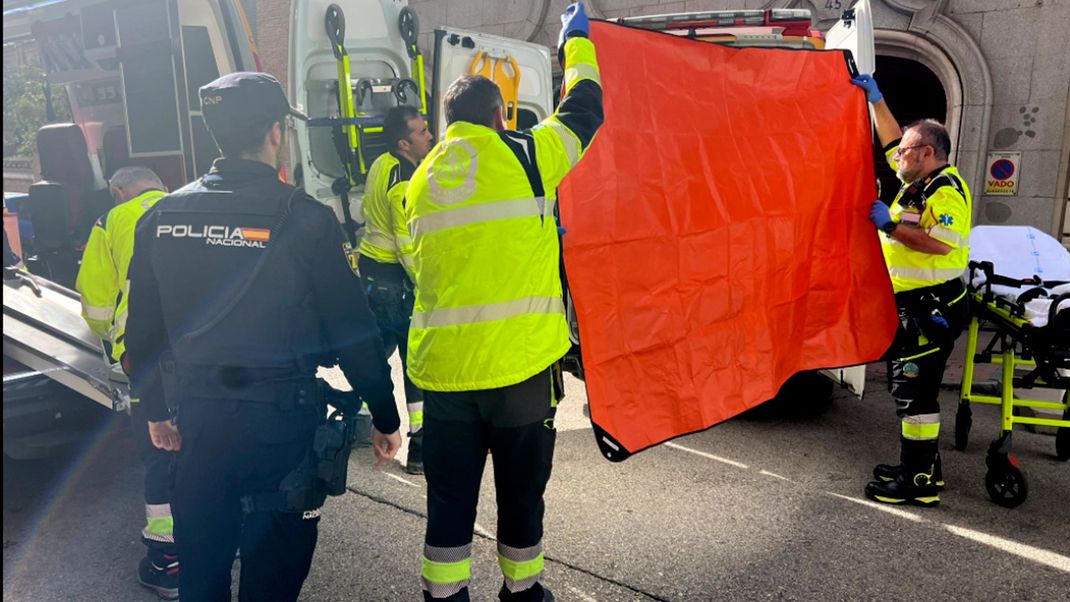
{"x": 127, "y": 177}
{"x": 933, "y": 133}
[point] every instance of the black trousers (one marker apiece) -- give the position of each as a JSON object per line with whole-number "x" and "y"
{"x": 231, "y": 449}
{"x": 390, "y": 297}
{"x": 922, "y": 346}
{"x": 157, "y": 486}
{"x": 516, "y": 425}
{"x": 930, "y": 319}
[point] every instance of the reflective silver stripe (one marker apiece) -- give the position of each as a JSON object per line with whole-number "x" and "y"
{"x": 97, "y": 313}
{"x": 157, "y": 537}
{"x": 576, "y": 72}
{"x": 379, "y": 239}
{"x": 568, "y": 139}
{"x": 414, "y": 407}
{"x": 404, "y": 240}
{"x": 470, "y": 314}
{"x": 922, "y": 419}
{"x": 474, "y": 214}
{"x": 157, "y": 510}
{"x": 454, "y": 554}
{"x": 947, "y": 235}
{"x": 929, "y": 275}
{"x": 525, "y": 555}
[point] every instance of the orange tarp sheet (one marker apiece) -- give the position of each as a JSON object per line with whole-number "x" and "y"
{"x": 718, "y": 234}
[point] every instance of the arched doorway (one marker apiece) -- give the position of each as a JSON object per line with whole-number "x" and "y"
{"x": 913, "y": 92}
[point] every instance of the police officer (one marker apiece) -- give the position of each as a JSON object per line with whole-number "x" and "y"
{"x": 101, "y": 281}
{"x": 925, "y": 239}
{"x": 385, "y": 252}
{"x": 489, "y": 327}
{"x": 240, "y": 288}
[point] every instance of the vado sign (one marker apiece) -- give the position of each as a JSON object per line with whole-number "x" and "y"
{"x": 1002, "y": 175}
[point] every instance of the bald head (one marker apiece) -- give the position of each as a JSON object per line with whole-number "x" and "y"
{"x": 129, "y": 182}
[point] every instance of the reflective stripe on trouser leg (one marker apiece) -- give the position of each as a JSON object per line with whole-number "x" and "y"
{"x": 159, "y": 525}
{"x": 446, "y": 571}
{"x": 521, "y": 567}
{"x": 416, "y": 416}
{"x": 922, "y": 427}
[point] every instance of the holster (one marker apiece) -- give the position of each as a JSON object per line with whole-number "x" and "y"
{"x": 325, "y": 467}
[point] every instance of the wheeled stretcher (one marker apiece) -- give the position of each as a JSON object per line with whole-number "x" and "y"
{"x": 1019, "y": 285}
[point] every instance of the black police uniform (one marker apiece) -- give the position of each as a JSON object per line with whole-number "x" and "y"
{"x": 240, "y": 288}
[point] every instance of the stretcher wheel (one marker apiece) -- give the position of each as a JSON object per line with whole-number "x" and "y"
{"x": 1006, "y": 485}
{"x": 1062, "y": 443}
{"x": 335, "y": 23}
{"x": 963, "y": 423}
{"x": 409, "y": 27}
{"x": 1062, "y": 438}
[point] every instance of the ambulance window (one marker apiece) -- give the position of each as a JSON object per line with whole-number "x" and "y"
{"x": 526, "y": 119}
{"x": 201, "y": 66}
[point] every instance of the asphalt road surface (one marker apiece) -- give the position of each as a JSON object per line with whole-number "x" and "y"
{"x": 765, "y": 506}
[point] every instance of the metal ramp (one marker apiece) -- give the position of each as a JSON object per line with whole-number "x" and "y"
{"x": 44, "y": 330}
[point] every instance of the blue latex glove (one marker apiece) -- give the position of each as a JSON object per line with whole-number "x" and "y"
{"x": 939, "y": 320}
{"x": 867, "y": 83}
{"x": 880, "y": 215}
{"x": 574, "y": 22}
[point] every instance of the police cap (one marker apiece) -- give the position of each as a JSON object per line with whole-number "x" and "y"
{"x": 242, "y": 100}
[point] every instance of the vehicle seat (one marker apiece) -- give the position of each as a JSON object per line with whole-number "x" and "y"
{"x": 64, "y": 160}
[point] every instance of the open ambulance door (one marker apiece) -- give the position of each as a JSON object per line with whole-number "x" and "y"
{"x": 332, "y": 151}
{"x": 854, "y": 32}
{"x": 521, "y": 69}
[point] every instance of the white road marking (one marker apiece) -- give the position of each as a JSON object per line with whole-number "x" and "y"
{"x": 774, "y": 475}
{"x": 1039, "y": 555}
{"x": 397, "y": 478}
{"x": 479, "y": 530}
{"x": 706, "y": 455}
{"x": 581, "y": 595}
{"x": 882, "y": 507}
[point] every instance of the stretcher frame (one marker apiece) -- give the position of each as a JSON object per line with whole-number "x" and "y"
{"x": 1016, "y": 345}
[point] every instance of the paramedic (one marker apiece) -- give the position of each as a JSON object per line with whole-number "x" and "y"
{"x": 488, "y": 329}
{"x": 240, "y": 287}
{"x": 386, "y": 249}
{"x": 102, "y": 284}
{"x": 925, "y": 239}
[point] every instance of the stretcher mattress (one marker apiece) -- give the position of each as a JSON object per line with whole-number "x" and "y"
{"x": 718, "y": 239}
{"x": 1028, "y": 255}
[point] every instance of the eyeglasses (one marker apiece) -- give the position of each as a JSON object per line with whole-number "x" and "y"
{"x": 902, "y": 150}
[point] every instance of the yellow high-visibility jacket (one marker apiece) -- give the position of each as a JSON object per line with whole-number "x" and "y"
{"x": 386, "y": 238}
{"x": 102, "y": 278}
{"x": 945, "y": 215}
{"x": 480, "y": 209}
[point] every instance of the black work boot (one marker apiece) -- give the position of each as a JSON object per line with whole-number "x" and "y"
{"x": 159, "y": 572}
{"x": 414, "y": 463}
{"x": 890, "y": 472}
{"x": 916, "y": 481}
{"x": 535, "y": 593}
{"x": 903, "y": 491}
